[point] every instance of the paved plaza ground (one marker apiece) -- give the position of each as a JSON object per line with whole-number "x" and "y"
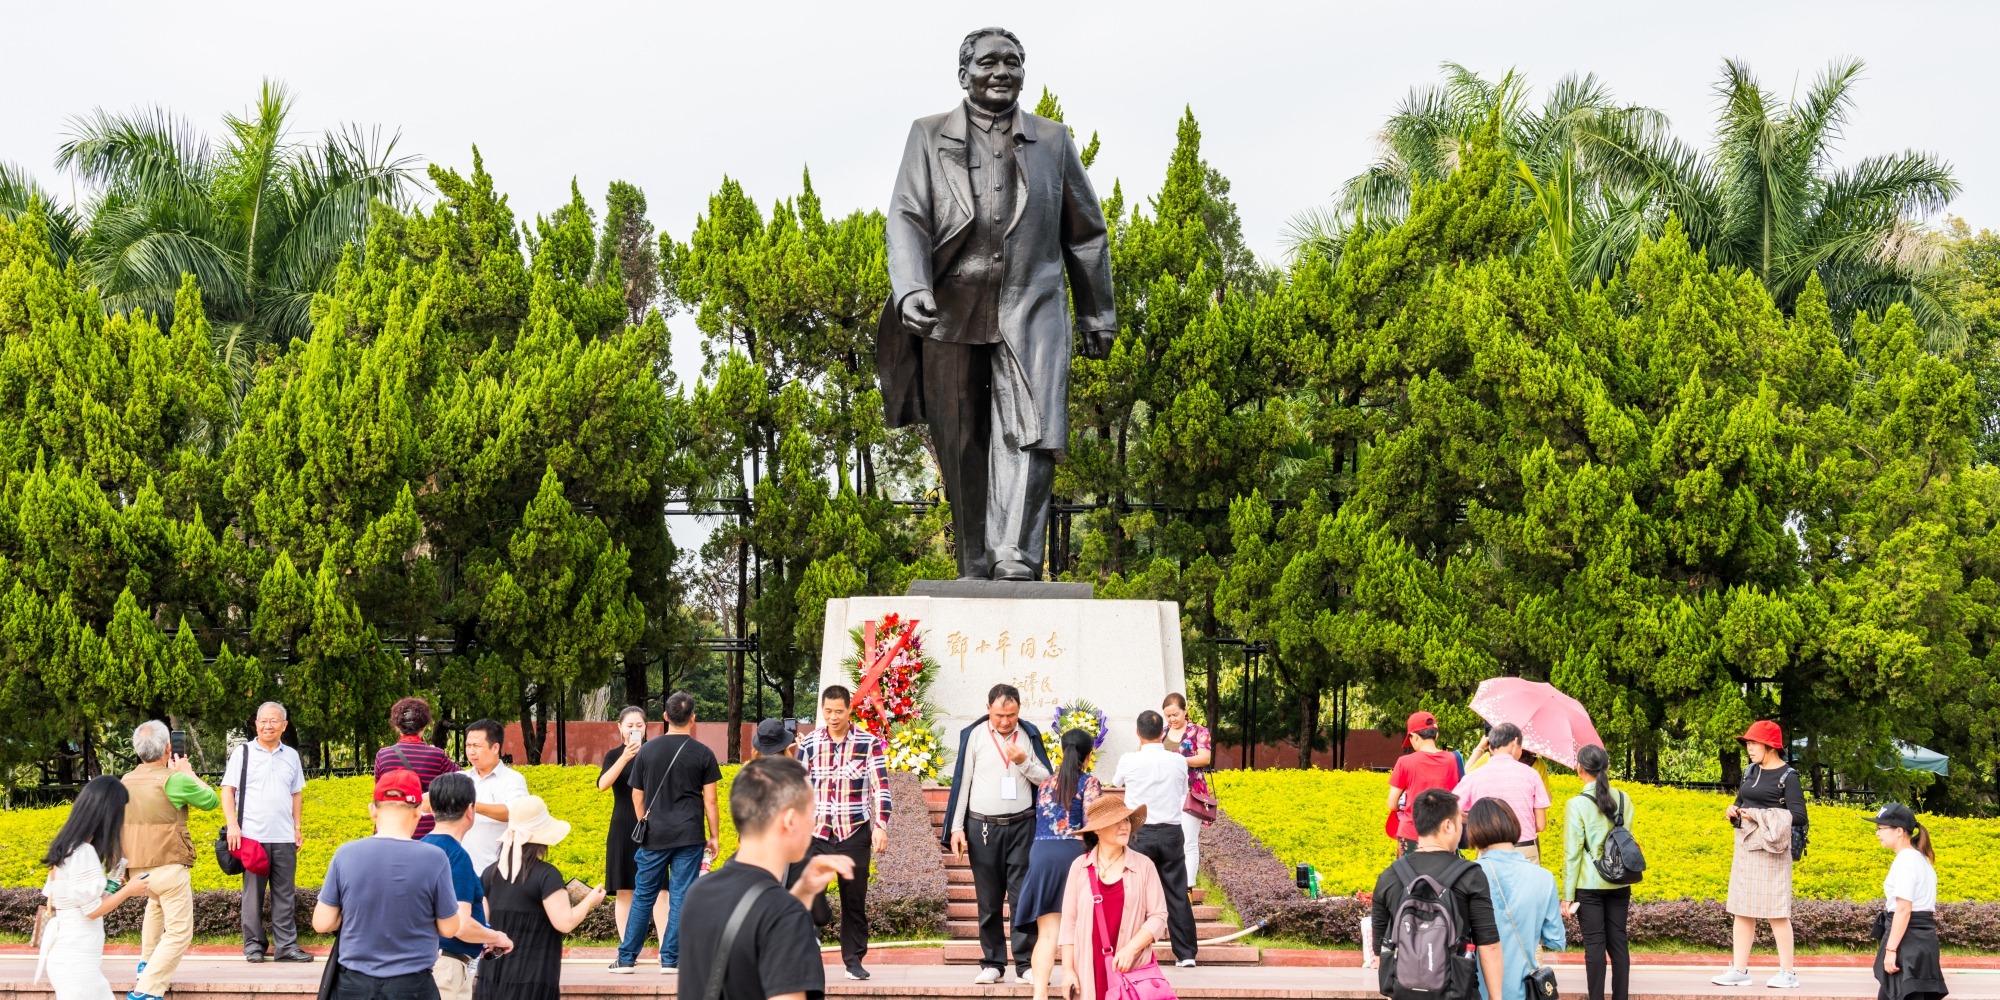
{"x": 213, "y": 978}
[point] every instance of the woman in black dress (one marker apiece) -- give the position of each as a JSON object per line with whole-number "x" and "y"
{"x": 621, "y": 872}
{"x": 526, "y": 900}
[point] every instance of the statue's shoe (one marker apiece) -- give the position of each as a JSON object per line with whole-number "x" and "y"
{"x": 1009, "y": 569}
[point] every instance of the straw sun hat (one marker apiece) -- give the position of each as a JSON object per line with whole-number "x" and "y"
{"x": 1110, "y": 809}
{"x": 528, "y": 822}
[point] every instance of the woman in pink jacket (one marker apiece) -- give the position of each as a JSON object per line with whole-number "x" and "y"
{"x": 1128, "y": 886}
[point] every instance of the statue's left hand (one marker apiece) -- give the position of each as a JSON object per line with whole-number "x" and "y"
{"x": 1097, "y": 343}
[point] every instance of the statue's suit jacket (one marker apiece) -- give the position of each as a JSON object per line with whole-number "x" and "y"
{"x": 1058, "y": 227}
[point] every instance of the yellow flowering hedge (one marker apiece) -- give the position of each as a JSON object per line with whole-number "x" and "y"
{"x": 1333, "y": 821}
{"x": 336, "y": 811}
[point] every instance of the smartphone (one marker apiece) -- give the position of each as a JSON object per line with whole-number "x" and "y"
{"x": 632, "y": 738}
{"x": 179, "y": 739}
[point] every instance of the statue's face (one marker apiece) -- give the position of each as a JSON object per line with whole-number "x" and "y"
{"x": 993, "y": 78}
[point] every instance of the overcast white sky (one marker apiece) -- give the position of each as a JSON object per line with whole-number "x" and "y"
{"x": 672, "y": 96}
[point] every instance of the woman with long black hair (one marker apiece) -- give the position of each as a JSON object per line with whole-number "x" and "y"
{"x": 621, "y": 867}
{"x": 72, "y": 952}
{"x": 1906, "y": 960}
{"x": 1060, "y": 804}
{"x": 1599, "y": 906}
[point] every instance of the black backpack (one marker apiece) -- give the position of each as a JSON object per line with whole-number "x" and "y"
{"x": 1424, "y": 956}
{"x": 1619, "y": 860}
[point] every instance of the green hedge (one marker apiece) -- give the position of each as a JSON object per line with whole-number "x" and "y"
{"x": 1333, "y": 821}
{"x": 336, "y": 811}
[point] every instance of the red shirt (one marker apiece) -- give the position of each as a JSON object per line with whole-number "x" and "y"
{"x": 1111, "y": 903}
{"x": 1416, "y": 772}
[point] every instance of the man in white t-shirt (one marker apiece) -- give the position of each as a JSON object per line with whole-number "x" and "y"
{"x": 271, "y": 781}
{"x": 497, "y": 784}
{"x": 1157, "y": 778}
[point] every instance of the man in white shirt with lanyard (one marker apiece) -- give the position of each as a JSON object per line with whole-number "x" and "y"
{"x": 1157, "y": 778}
{"x": 992, "y": 818}
{"x": 271, "y": 780}
{"x": 498, "y": 785}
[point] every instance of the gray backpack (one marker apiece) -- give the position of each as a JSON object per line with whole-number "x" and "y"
{"x": 1424, "y": 957}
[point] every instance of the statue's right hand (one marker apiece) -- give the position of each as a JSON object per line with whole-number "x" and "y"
{"x": 919, "y": 312}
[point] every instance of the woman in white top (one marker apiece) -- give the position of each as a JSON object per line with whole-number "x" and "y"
{"x": 72, "y": 952}
{"x": 1906, "y": 963}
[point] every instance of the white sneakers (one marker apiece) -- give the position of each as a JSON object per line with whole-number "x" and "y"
{"x": 1786, "y": 979}
{"x": 987, "y": 977}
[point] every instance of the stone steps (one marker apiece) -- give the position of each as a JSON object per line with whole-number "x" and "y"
{"x": 962, "y": 892}
{"x": 968, "y": 909}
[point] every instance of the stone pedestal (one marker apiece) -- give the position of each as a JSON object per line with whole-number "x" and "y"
{"x": 1122, "y": 656}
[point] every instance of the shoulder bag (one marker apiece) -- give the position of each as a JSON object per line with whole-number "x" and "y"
{"x": 712, "y": 990}
{"x": 249, "y": 856}
{"x": 653, "y": 797}
{"x": 1541, "y": 983}
{"x": 1145, "y": 981}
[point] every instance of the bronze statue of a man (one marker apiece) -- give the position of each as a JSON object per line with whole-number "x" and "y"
{"x": 991, "y": 209}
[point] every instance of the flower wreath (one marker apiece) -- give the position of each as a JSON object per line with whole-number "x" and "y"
{"x": 1078, "y": 714}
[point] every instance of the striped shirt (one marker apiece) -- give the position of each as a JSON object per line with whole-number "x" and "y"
{"x": 840, "y": 772}
{"x": 427, "y": 761}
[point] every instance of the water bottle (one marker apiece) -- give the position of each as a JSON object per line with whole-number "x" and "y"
{"x": 707, "y": 860}
{"x": 117, "y": 879}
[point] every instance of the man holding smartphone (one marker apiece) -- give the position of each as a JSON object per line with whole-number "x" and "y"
{"x": 158, "y": 849}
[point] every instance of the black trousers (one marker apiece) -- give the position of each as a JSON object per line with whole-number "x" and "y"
{"x": 352, "y": 985}
{"x": 999, "y": 856}
{"x": 1602, "y": 913}
{"x": 853, "y": 891}
{"x": 1166, "y": 845}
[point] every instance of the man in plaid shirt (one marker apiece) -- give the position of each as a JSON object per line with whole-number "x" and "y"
{"x": 842, "y": 762}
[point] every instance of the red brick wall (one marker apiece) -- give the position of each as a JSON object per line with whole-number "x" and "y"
{"x": 1365, "y": 749}
{"x": 587, "y": 741}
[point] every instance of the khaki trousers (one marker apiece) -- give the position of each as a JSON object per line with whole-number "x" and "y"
{"x": 454, "y": 978}
{"x": 168, "y": 928}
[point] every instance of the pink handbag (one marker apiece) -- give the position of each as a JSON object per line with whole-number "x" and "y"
{"x": 1146, "y": 981}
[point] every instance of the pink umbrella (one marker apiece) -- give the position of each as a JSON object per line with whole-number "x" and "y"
{"x": 1552, "y": 723}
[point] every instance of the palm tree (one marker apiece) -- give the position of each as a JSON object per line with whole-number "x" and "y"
{"x": 1769, "y": 198}
{"x": 1557, "y": 145}
{"x": 19, "y": 195}
{"x": 260, "y": 220}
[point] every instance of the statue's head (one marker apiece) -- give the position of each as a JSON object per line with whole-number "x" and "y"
{"x": 989, "y": 68}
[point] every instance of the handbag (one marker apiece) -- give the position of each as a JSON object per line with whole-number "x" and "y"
{"x": 1541, "y": 983}
{"x": 329, "y": 977}
{"x": 653, "y": 798}
{"x": 1146, "y": 981}
{"x": 249, "y": 855}
{"x": 1200, "y": 801}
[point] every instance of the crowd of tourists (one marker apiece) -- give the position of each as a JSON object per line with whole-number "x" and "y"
{"x": 1494, "y": 916}
{"x": 453, "y": 897}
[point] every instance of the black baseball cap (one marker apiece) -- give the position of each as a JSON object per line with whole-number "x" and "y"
{"x": 1897, "y": 815}
{"x": 774, "y": 735}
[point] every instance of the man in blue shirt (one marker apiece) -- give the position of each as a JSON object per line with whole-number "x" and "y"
{"x": 452, "y": 796}
{"x": 389, "y": 897}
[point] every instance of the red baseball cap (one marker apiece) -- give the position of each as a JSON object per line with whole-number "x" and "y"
{"x": 1419, "y": 721}
{"x": 1766, "y": 732}
{"x": 400, "y": 785}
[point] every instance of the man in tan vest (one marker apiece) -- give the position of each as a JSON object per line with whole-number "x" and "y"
{"x": 156, "y": 844}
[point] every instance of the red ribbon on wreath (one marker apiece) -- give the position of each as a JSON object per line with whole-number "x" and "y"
{"x": 875, "y": 661}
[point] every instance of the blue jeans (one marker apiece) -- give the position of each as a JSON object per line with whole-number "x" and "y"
{"x": 679, "y": 865}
